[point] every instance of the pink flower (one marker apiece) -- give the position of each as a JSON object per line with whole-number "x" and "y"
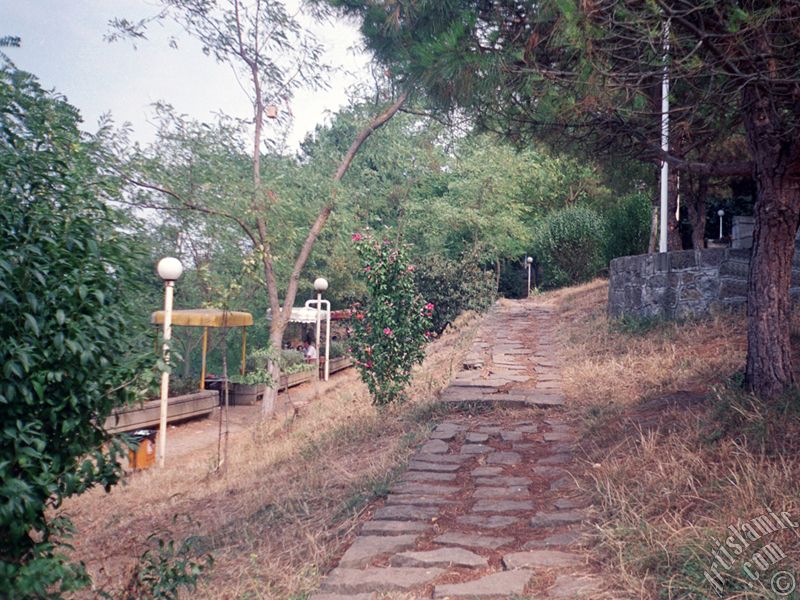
{"x": 357, "y": 237}
{"x": 410, "y": 268}
{"x": 368, "y": 364}
{"x": 429, "y": 306}
{"x": 388, "y": 331}
{"x": 367, "y": 269}
{"x": 360, "y": 316}
{"x": 428, "y": 334}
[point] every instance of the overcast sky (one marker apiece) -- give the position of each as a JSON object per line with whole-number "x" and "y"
{"x": 62, "y": 44}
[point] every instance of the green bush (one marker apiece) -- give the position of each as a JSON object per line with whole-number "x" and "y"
{"x": 338, "y": 349}
{"x": 570, "y": 246}
{"x": 628, "y": 226}
{"x": 291, "y": 358}
{"x": 67, "y": 330}
{"x": 391, "y": 328}
{"x": 453, "y": 287}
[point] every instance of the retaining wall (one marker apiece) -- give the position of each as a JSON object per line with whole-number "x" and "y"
{"x": 683, "y": 284}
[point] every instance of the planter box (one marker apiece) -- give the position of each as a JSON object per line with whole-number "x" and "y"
{"x": 339, "y": 363}
{"x": 293, "y": 379}
{"x": 142, "y": 416}
{"x": 243, "y": 394}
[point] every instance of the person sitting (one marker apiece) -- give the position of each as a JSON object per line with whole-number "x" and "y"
{"x": 310, "y": 351}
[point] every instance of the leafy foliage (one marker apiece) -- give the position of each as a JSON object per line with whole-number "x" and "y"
{"x": 569, "y": 246}
{"x": 453, "y": 287}
{"x": 390, "y": 330}
{"x": 164, "y": 569}
{"x": 66, "y": 331}
{"x": 628, "y": 226}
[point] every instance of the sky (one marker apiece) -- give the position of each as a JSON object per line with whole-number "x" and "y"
{"x": 62, "y": 44}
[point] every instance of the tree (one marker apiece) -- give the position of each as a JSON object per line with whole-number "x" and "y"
{"x": 269, "y": 49}
{"x": 570, "y": 68}
{"x": 67, "y": 331}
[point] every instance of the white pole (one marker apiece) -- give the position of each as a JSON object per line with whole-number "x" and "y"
{"x": 529, "y": 280}
{"x": 162, "y": 428}
{"x": 328, "y": 343}
{"x": 319, "y": 314}
{"x": 662, "y": 244}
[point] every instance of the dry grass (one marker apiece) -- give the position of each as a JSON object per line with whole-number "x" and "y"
{"x": 676, "y": 451}
{"x": 291, "y": 497}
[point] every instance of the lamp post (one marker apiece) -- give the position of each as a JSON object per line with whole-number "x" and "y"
{"x": 721, "y": 214}
{"x": 320, "y": 285}
{"x": 529, "y": 262}
{"x": 169, "y": 269}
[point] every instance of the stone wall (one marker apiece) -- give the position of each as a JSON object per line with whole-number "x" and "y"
{"x": 682, "y": 284}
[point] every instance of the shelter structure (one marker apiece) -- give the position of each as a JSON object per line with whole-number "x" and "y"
{"x": 205, "y": 318}
{"x": 310, "y": 313}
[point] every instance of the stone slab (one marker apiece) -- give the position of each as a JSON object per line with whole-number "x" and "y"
{"x": 365, "y": 548}
{"x": 472, "y": 540}
{"x": 405, "y": 512}
{"x": 394, "y": 527}
{"x": 428, "y": 476}
{"x": 566, "y": 538}
{"x": 502, "y": 505}
{"x": 534, "y": 559}
{"x": 419, "y": 499}
{"x": 439, "y": 458}
{"x": 486, "y": 522}
{"x": 476, "y": 449}
{"x": 561, "y": 458}
{"x": 442, "y": 557}
{"x": 434, "y": 447}
{"x": 511, "y": 436}
{"x": 512, "y": 491}
{"x": 549, "y": 471}
{"x": 555, "y": 519}
{"x": 418, "y": 465}
{"x": 497, "y": 585}
{"x": 486, "y": 471}
{"x": 504, "y": 458}
{"x": 427, "y": 489}
{"x": 379, "y": 579}
{"x": 559, "y": 436}
{"x": 476, "y": 438}
{"x": 502, "y": 480}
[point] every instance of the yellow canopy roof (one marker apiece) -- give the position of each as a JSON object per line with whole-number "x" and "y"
{"x": 205, "y": 317}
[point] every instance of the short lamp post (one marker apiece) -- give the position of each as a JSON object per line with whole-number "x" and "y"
{"x": 529, "y": 262}
{"x": 321, "y": 285}
{"x": 721, "y": 214}
{"x": 169, "y": 269}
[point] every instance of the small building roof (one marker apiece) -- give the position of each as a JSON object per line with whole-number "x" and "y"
{"x": 205, "y": 317}
{"x": 303, "y": 314}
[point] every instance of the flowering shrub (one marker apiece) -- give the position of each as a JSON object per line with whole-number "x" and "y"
{"x": 389, "y": 331}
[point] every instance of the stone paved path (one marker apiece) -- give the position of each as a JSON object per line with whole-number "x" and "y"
{"x": 488, "y": 507}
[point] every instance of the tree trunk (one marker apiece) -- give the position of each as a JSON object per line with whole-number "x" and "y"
{"x": 776, "y": 156}
{"x": 697, "y": 211}
{"x": 652, "y": 245}
{"x": 674, "y": 241}
{"x": 269, "y": 404}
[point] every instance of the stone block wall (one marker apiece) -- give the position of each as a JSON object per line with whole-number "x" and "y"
{"x": 675, "y": 285}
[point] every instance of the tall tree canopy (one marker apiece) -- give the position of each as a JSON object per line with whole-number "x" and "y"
{"x": 591, "y": 71}
{"x": 69, "y": 281}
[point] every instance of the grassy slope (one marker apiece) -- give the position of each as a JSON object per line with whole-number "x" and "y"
{"x": 290, "y": 501}
{"x": 675, "y": 451}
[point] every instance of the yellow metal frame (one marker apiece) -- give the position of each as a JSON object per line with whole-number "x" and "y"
{"x": 205, "y": 318}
